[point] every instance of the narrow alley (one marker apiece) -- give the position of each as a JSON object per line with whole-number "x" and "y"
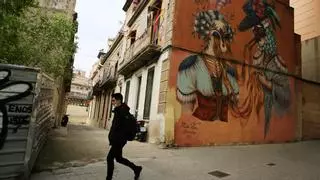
{"x": 79, "y": 153}
{"x": 77, "y": 144}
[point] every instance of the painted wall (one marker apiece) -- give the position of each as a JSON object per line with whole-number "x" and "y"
{"x": 216, "y": 101}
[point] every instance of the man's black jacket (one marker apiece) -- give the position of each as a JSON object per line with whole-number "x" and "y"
{"x": 117, "y": 134}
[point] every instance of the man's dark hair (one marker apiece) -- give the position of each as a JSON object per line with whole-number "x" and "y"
{"x": 117, "y": 96}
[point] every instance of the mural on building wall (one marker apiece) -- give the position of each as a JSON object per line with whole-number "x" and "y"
{"x": 218, "y": 97}
{"x": 11, "y": 91}
{"x": 262, "y": 19}
{"x": 206, "y": 78}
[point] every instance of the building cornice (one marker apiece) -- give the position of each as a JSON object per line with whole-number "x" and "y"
{"x": 113, "y": 47}
{"x": 127, "y": 5}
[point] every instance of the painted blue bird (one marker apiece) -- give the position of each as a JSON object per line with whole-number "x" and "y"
{"x": 256, "y": 12}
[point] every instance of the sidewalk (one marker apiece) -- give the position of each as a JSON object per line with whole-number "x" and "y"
{"x": 296, "y": 161}
{"x": 76, "y": 145}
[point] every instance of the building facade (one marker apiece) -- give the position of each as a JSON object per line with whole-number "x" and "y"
{"x": 94, "y": 93}
{"x": 306, "y": 15}
{"x": 59, "y": 5}
{"x": 206, "y": 72}
{"x": 80, "y": 88}
{"x": 226, "y": 82}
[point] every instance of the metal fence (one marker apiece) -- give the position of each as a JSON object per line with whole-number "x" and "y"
{"x": 26, "y": 116}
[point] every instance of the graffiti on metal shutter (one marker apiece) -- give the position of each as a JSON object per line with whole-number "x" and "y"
{"x": 12, "y": 114}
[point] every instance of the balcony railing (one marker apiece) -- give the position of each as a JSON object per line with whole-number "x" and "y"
{"x": 97, "y": 83}
{"x": 143, "y": 41}
{"x": 109, "y": 77}
{"x": 142, "y": 52}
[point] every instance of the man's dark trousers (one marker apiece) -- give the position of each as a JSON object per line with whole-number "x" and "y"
{"x": 116, "y": 153}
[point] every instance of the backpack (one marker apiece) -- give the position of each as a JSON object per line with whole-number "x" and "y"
{"x": 131, "y": 127}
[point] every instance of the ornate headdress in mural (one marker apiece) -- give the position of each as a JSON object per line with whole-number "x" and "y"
{"x": 256, "y": 12}
{"x": 263, "y": 20}
{"x": 212, "y": 23}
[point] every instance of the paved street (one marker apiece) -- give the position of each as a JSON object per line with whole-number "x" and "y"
{"x": 78, "y": 144}
{"x": 299, "y": 161}
{"x": 79, "y": 153}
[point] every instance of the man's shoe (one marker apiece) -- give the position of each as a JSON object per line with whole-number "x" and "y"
{"x": 137, "y": 172}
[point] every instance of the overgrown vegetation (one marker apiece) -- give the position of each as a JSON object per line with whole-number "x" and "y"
{"x": 14, "y": 7}
{"x": 36, "y": 37}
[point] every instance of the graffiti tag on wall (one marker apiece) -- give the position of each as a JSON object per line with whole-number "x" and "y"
{"x": 12, "y": 114}
{"x": 190, "y": 129}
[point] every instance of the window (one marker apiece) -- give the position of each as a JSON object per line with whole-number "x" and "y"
{"x": 147, "y": 103}
{"x": 115, "y": 70}
{"x": 135, "y": 4}
{"x": 127, "y": 92}
{"x": 132, "y": 36}
{"x": 110, "y": 105}
{"x": 138, "y": 96}
{"x": 103, "y": 104}
{"x": 97, "y": 106}
{"x": 155, "y": 10}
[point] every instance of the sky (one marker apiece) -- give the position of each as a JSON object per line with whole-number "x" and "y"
{"x": 98, "y": 20}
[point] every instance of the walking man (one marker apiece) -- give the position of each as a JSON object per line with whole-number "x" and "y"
{"x": 118, "y": 137}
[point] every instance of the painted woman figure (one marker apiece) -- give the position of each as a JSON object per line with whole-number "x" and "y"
{"x": 207, "y": 84}
{"x": 262, "y": 20}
